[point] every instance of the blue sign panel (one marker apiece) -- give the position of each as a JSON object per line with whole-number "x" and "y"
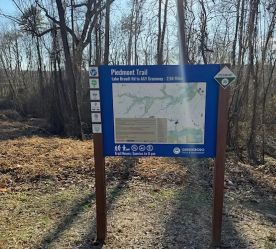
{"x": 168, "y": 111}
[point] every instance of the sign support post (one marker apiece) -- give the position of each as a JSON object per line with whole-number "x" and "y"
{"x": 100, "y": 187}
{"x": 99, "y": 158}
{"x": 220, "y": 165}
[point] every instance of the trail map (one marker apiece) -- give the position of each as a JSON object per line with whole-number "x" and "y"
{"x": 172, "y": 113}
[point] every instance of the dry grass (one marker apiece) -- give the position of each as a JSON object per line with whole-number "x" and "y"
{"x": 47, "y": 198}
{"x": 25, "y": 160}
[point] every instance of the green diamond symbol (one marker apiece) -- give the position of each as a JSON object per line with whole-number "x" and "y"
{"x": 225, "y": 77}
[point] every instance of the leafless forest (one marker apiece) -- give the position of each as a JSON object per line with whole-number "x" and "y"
{"x": 47, "y": 46}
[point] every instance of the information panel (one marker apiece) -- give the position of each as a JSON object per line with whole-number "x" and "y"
{"x": 159, "y": 110}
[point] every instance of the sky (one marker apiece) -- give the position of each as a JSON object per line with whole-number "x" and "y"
{"x": 7, "y": 7}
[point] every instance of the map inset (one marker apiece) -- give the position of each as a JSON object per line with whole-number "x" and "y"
{"x": 172, "y": 113}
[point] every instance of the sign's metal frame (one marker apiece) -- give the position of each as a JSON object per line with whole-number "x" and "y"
{"x": 218, "y": 189}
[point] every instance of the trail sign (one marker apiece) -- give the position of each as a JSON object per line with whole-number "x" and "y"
{"x": 171, "y": 108}
{"x": 225, "y": 77}
{"x": 172, "y": 111}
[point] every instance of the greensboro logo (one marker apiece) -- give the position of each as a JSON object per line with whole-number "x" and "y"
{"x": 176, "y": 150}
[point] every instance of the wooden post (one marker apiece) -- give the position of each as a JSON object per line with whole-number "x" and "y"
{"x": 100, "y": 187}
{"x": 99, "y": 158}
{"x": 220, "y": 165}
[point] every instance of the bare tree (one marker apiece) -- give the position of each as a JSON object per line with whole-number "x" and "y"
{"x": 161, "y": 31}
{"x": 181, "y": 5}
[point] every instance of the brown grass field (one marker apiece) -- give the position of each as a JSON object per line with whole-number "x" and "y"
{"x": 47, "y": 197}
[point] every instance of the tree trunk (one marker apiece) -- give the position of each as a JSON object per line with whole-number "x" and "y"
{"x": 236, "y": 34}
{"x": 106, "y": 39}
{"x": 130, "y": 38}
{"x": 251, "y": 143}
{"x": 72, "y": 116}
{"x": 203, "y": 32}
{"x": 182, "y": 32}
{"x": 161, "y": 32}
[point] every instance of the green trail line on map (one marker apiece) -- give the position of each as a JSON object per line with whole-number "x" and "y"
{"x": 188, "y": 92}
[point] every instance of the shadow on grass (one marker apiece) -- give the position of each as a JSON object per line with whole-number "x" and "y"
{"x": 66, "y": 222}
{"x": 267, "y": 209}
{"x": 260, "y": 201}
{"x": 190, "y": 224}
{"x": 128, "y": 165}
{"x": 12, "y": 129}
{"x": 88, "y": 241}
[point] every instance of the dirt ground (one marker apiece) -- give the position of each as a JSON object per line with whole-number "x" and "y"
{"x": 47, "y": 197}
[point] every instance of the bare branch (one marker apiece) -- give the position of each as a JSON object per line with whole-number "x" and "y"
{"x": 78, "y": 5}
{"x": 54, "y": 20}
{"x": 89, "y": 25}
{"x": 12, "y": 18}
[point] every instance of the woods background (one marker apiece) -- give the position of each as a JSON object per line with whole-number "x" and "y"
{"x": 46, "y": 48}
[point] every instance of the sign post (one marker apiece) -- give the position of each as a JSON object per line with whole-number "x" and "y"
{"x": 224, "y": 77}
{"x": 100, "y": 187}
{"x": 218, "y": 189}
{"x": 99, "y": 158}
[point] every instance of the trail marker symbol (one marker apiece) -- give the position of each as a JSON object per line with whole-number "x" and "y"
{"x": 97, "y": 128}
{"x": 93, "y": 72}
{"x": 149, "y": 147}
{"x": 96, "y": 118}
{"x": 94, "y": 83}
{"x": 225, "y": 77}
{"x": 134, "y": 147}
{"x": 94, "y": 95}
{"x": 95, "y": 106}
